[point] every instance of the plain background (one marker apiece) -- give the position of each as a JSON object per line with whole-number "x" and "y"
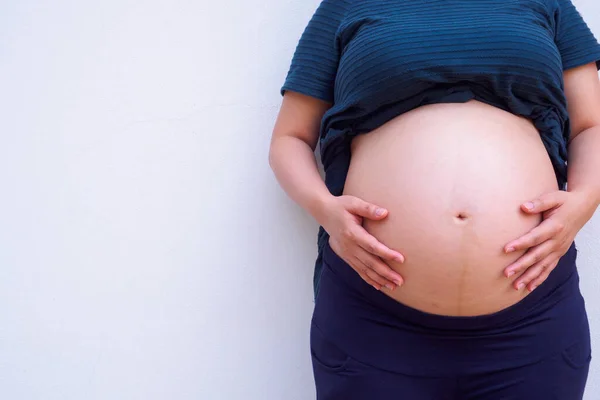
{"x": 146, "y": 251}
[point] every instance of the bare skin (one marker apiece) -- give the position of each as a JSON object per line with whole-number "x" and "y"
{"x": 452, "y": 177}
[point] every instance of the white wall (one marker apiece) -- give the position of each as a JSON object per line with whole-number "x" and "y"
{"x": 146, "y": 251}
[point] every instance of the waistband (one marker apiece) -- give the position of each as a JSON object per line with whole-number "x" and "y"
{"x": 564, "y": 272}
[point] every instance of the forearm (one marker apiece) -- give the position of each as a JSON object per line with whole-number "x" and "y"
{"x": 584, "y": 165}
{"x": 294, "y": 165}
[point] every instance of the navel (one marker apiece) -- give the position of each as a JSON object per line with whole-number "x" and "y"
{"x": 461, "y": 217}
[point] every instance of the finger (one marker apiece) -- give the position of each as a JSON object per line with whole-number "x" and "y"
{"x": 380, "y": 268}
{"x": 377, "y": 278}
{"x": 548, "y": 229}
{"x": 544, "y": 202}
{"x": 529, "y": 258}
{"x": 363, "y": 271}
{"x": 543, "y": 276}
{"x": 370, "y": 281}
{"x": 374, "y": 246}
{"x": 536, "y": 271}
{"x": 373, "y": 274}
{"x": 364, "y": 209}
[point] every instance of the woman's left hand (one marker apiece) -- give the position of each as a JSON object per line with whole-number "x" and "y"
{"x": 563, "y": 215}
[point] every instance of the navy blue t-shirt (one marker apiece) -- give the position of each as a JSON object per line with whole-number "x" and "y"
{"x": 376, "y": 59}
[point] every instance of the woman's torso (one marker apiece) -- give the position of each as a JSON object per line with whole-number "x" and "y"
{"x": 433, "y": 164}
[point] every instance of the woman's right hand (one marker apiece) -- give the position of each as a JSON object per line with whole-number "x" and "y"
{"x": 342, "y": 218}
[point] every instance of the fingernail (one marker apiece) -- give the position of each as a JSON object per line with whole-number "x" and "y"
{"x": 398, "y": 282}
{"x": 529, "y": 205}
{"x": 508, "y": 250}
{"x": 520, "y": 286}
{"x": 510, "y": 273}
{"x": 379, "y": 212}
{"x": 532, "y": 288}
{"x": 399, "y": 258}
{"x": 387, "y": 285}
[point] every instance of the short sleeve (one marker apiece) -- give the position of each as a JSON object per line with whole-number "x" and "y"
{"x": 314, "y": 64}
{"x": 575, "y": 41}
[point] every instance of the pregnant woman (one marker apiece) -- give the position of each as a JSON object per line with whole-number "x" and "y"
{"x": 446, "y": 264}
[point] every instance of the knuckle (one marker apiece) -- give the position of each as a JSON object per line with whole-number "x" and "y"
{"x": 348, "y": 233}
{"x": 372, "y": 247}
{"x": 545, "y": 273}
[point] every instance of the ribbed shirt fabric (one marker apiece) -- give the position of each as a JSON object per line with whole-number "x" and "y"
{"x": 376, "y": 59}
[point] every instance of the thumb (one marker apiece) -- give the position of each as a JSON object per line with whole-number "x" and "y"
{"x": 544, "y": 202}
{"x": 365, "y": 209}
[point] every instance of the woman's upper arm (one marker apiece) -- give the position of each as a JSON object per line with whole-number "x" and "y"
{"x": 300, "y": 116}
{"x": 580, "y": 54}
{"x": 582, "y": 90}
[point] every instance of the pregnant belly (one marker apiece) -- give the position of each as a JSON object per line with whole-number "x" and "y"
{"x": 453, "y": 176}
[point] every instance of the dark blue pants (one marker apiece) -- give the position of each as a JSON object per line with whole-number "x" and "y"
{"x": 367, "y": 346}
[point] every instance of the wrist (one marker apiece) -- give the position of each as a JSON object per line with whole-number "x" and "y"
{"x": 590, "y": 196}
{"x": 319, "y": 205}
